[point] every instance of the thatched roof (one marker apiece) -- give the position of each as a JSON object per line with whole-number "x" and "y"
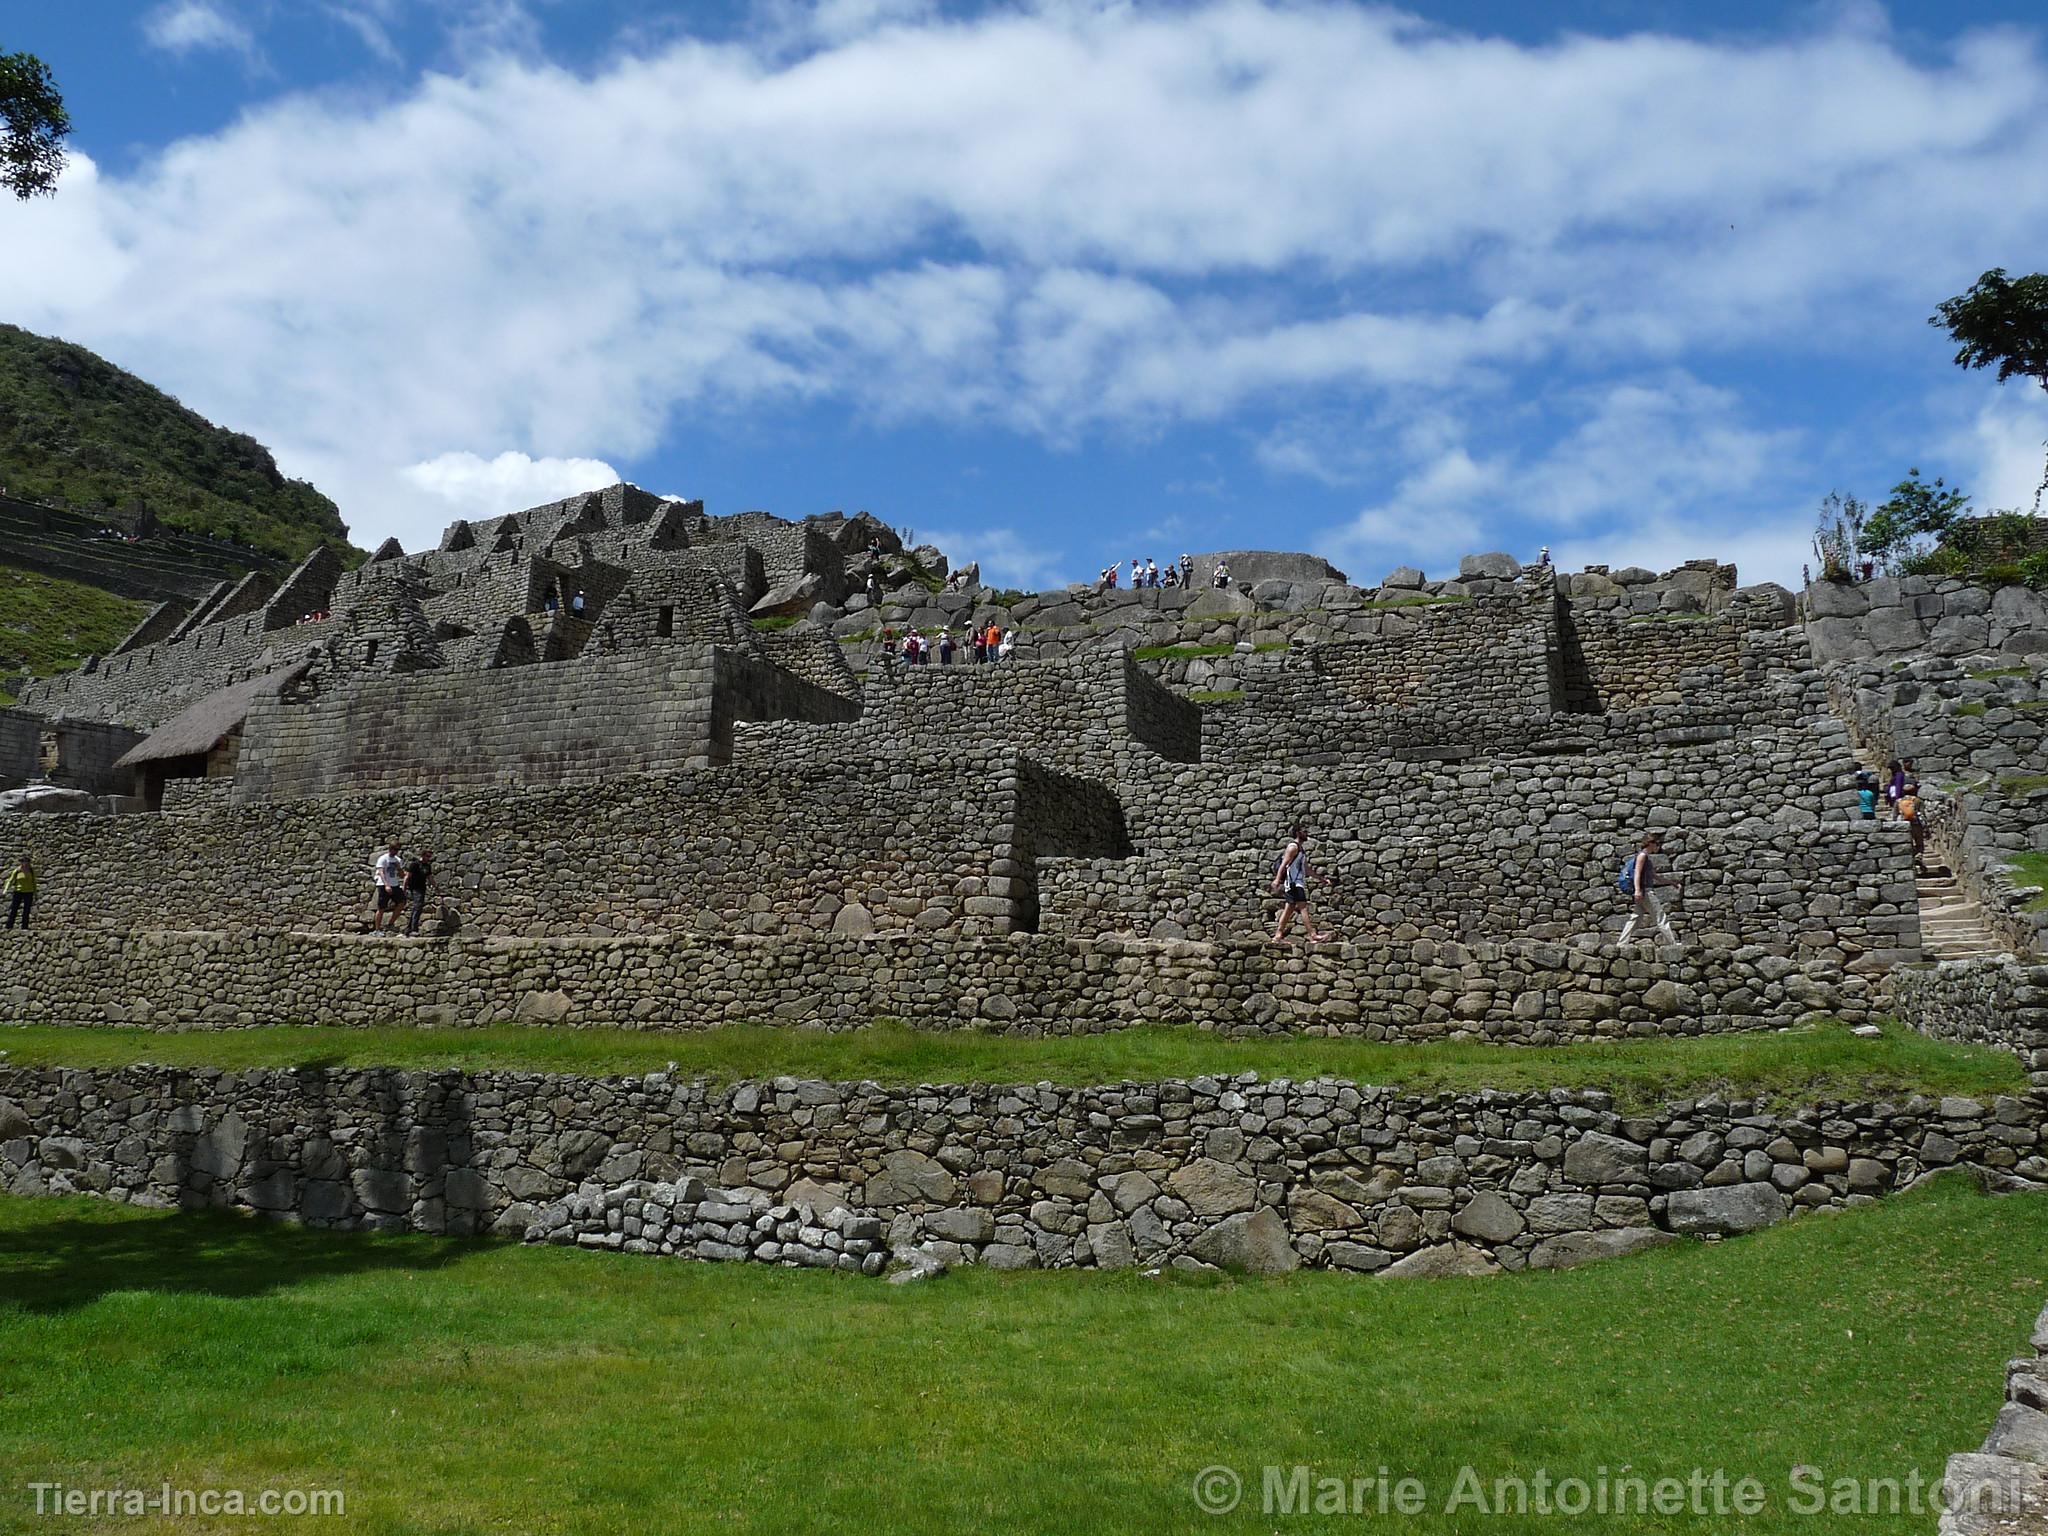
{"x": 204, "y": 725}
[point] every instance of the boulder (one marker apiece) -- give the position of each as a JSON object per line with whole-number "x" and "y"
{"x": 1248, "y": 567}
{"x": 1596, "y": 1158}
{"x": 1489, "y": 1218}
{"x": 1575, "y": 1248}
{"x": 1730, "y": 1209}
{"x": 1249, "y": 1243}
{"x": 1404, "y": 578}
{"x": 1494, "y": 565}
{"x": 1210, "y": 1188}
{"x": 1222, "y": 603}
{"x": 1440, "y": 1261}
{"x": 1837, "y": 600}
{"x": 48, "y": 800}
{"x": 792, "y": 597}
{"x": 909, "y": 1177}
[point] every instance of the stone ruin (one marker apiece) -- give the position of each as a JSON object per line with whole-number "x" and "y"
{"x": 674, "y": 779}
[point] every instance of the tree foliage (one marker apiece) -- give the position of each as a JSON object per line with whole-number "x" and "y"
{"x": 2002, "y": 321}
{"x": 76, "y": 431}
{"x": 33, "y": 125}
{"x": 1917, "y": 512}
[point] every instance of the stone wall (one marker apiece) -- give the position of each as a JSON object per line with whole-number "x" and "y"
{"x": 1225, "y": 1171}
{"x": 648, "y": 711}
{"x": 1521, "y": 993}
{"x": 164, "y": 565}
{"x": 1998, "y": 1002}
{"x": 2003, "y": 1485}
{"x": 789, "y": 847}
{"x": 85, "y": 752}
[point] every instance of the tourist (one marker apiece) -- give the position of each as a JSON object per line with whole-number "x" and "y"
{"x": 390, "y": 871}
{"x": 576, "y": 605}
{"x": 419, "y": 884}
{"x": 1894, "y": 784}
{"x": 1866, "y": 794}
{"x": 995, "y": 641}
{"x": 1640, "y": 881}
{"x": 1222, "y": 577}
{"x": 1171, "y": 578}
{"x": 1152, "y": 573}
{"x": 1187, "y": 570}
{"x": 1291, "y": 879}
{"x": 980, "y": 646}
{"x": 21, "y": 891}
{"x": 1009, "y": 644}
{"x": 547, "y": 603}
{"x": 945, "y": 647}
{"x": 1909, "y": 812}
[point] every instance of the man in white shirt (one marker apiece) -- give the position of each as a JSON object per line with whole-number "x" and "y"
{"x": 390, "y": 888}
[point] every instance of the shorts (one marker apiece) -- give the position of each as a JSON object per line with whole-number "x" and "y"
{"x": 1297, "y": 895}
{"x": 389, "y": 899}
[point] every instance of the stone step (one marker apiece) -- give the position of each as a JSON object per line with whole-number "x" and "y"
{"x": 1952, "y": 926}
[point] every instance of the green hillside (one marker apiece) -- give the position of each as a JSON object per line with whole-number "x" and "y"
{"x": 48, "y": 625}
{"x": 75, "y": 431}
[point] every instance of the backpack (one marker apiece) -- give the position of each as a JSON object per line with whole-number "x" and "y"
{"x": 1627, "y": 883}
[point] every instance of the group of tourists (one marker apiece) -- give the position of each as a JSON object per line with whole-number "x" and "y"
{"x": 403, "y": 886}
{"x": 983, "y": 646}
{"x": 551, "y": 604}
{"x": 1150, "y": 573}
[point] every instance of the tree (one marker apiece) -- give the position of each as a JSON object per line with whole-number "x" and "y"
{"x": 33, "y": 124}
{"x": 2001, "y": 320}
{"x": 1838, "y": 540}
{"x": 1917, "y": 510}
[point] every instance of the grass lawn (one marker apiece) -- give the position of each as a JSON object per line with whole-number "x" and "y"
{"x": 465, "y": 1386}
{"x": 1802, "y": 1065}
{"x": 50, "y": 625}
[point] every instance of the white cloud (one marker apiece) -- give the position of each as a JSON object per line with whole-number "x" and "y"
{"x": 476, "y": 487}
{"x": 1008, "y": 558}
{"x": 1651, "y": 471}
{"x": 198, "y": 26}
{"x": 1066, "y": 219}
{"x": 2005, "y": 449}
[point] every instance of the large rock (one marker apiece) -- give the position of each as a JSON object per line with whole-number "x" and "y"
{"x": 910, "y": 1177}
{"x": 792, "y": 597}
{"x": 1837, "y": 600}
{"x": 1725, "y": 1211}
{"x": 1211, "y": 1188}
{"x": 1250, "y": 1243}
{"x": 1489, "y": 1218}
{"x": 1443, "y": 1260}
{"x": 1494, "y": 564}
{"x": 1596, "y": 1158}
{"x": 1222, "y": 603}
{"x": 1248, "y": 567}
{"x": 1576, "y": 1248}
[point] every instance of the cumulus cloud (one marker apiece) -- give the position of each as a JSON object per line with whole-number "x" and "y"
{"x": 1066, "y": 221}
{"x": 1008, "y": 558}
{"x": 476, "y": 487}
{"x": 2002, "y": 453}
{"x": 198, "y": 26}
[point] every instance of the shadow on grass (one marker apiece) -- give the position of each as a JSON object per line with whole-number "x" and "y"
{"x": 55, "y": 1266}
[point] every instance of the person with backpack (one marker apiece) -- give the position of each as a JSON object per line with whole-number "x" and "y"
{"x": 419, "y": 885}
{"x": 1894, "y": 784}
{"x": 1291, "y": 881}
{"x": 1640, "y": 881}
{"x": 1909, "y": 812}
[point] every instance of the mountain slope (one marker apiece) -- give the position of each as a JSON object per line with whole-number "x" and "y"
{"x": 78, "y": 432}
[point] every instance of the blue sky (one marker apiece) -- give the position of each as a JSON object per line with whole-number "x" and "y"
{"x": 1062, "y": 283}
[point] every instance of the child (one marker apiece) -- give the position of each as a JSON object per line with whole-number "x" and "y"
{"x": 1866, "y": 794}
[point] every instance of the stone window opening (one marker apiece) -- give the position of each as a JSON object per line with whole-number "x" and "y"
{"x": 665, "y": 621}
{"x": 370, "y": 654}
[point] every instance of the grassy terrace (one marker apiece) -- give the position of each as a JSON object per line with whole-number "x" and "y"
{"x": 466, "y": 1386}
{"x": 50, "y": 625}
{"x": 1796, "y": 1065}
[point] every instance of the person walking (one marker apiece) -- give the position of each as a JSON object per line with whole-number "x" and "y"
{"x": 1291, "y": 879}
{"x": 390, "y": 869}
{"x": 419, "y": 885}
{"x": 1640, "y": 881}
{"x": 21, "y": 891}
{"x": 1866, "y": 794}
{"x": 1894, "y": 784}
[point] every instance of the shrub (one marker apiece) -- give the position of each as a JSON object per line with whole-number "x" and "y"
{"x": 2004, "y": 573}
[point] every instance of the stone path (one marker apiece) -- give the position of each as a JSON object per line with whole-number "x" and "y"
{"x": 1952, "y": 926}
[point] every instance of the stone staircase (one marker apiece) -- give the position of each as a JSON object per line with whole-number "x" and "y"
{"x": 1952, "y": 926}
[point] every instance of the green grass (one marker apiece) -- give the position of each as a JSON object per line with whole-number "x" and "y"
{"x": 1974, "y": 707}
{"x": 1988, "y": 673}
{"x": 778, "y": 621}
{"x": 2031, "y": 869}
{"x": 2013, "y": 785}
{"x": 464, "y": 1386}
{"x": 1216, "y": 695}
{"x": 50, "y": 625}
{"x": 1421, "y": 600}
{"x": 1825, "y": 1061}
{"x": 1179, "y": 652}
